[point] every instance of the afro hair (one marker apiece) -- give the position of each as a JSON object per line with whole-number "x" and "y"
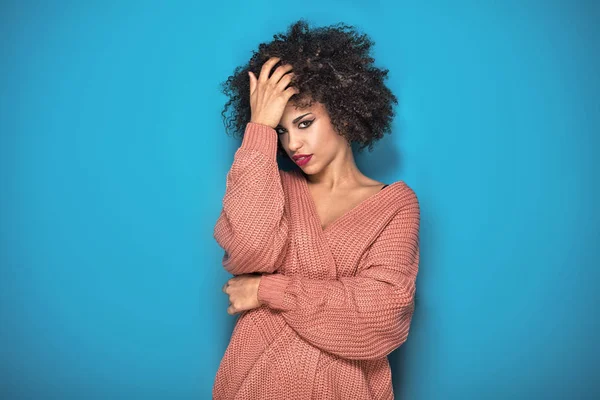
{"x": 332, "y": 66}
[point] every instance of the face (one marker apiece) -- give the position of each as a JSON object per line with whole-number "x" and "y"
{"x": 309, "y": 131}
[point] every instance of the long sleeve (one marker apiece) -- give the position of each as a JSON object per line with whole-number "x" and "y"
{"x": 252, "y": 227}
{"x": 366, "y": 316}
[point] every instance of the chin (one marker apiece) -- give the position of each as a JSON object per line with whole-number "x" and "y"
{"x": 309, "y": 170}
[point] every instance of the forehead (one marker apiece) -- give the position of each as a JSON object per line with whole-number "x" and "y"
{"x": 295, "y": 109}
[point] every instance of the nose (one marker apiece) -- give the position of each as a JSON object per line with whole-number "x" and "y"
{"x": 294, "y": 143}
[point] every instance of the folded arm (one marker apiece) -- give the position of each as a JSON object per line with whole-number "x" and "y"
{"x": 362, "y": 317}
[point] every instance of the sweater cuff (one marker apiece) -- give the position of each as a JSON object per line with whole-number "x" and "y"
{"x": 260, "y": 137}
{"x": 271, "y": 290}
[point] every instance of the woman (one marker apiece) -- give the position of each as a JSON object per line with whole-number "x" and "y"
{"x": 325, "y": 258}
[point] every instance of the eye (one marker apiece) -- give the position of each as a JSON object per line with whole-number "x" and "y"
{"x": 309, "y": 122}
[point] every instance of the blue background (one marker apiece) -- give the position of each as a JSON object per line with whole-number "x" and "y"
{"x": 113, "y": 159}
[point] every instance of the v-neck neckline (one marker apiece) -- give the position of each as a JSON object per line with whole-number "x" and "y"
{"x": 363, "y": 203}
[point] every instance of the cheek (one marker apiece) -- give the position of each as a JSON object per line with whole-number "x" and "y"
{"x": 323, "y": 142}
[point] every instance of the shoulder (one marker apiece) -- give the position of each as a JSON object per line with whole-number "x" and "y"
{"x": 402, "y": 195}
{"x": 405, "y": 217}
{"x": 399, "y": 232}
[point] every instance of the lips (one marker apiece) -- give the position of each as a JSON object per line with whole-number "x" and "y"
{"x": 302, "y": 159}
{"x": 298, "y": 156}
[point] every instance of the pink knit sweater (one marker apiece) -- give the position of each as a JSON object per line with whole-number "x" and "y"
{"x": 335, "y": 301}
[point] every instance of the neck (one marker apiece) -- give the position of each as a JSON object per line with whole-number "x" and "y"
{"x": 341, "y": 172}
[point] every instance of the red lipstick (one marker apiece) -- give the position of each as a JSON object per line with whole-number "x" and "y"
{"x": 302, "y": 159}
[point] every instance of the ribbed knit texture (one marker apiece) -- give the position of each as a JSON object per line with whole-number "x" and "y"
{"x": 335, "y": 300}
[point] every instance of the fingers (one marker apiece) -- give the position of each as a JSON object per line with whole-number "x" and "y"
{"x": 252, "y": 82}
{"x": 280, "y": 78}
{"x": 277, "y": 74}
{"x": 267, "y": 94}
{"x": 280, "y": 71}
{"x": 285, "y": 81}
{"x": 289, "y": 92}
{"x": 266, "y": 67}
{"x": 226, "y": 286}
{"x": 231, "y": 309}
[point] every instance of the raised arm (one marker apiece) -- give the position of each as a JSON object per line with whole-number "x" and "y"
{"x": 362, "y": 317}
{"x": 252, "y": 227}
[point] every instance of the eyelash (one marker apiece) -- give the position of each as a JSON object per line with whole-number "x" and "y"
{"x": 309, "y": 121}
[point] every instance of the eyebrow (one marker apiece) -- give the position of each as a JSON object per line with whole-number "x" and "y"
{"x": 299, "y": 118}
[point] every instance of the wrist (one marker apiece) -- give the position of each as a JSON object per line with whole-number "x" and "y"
{"x": 271, "y": 290}
{"x": 264, "y": 123}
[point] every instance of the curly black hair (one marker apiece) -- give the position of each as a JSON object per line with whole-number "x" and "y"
{"x": 332, "y": 65}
